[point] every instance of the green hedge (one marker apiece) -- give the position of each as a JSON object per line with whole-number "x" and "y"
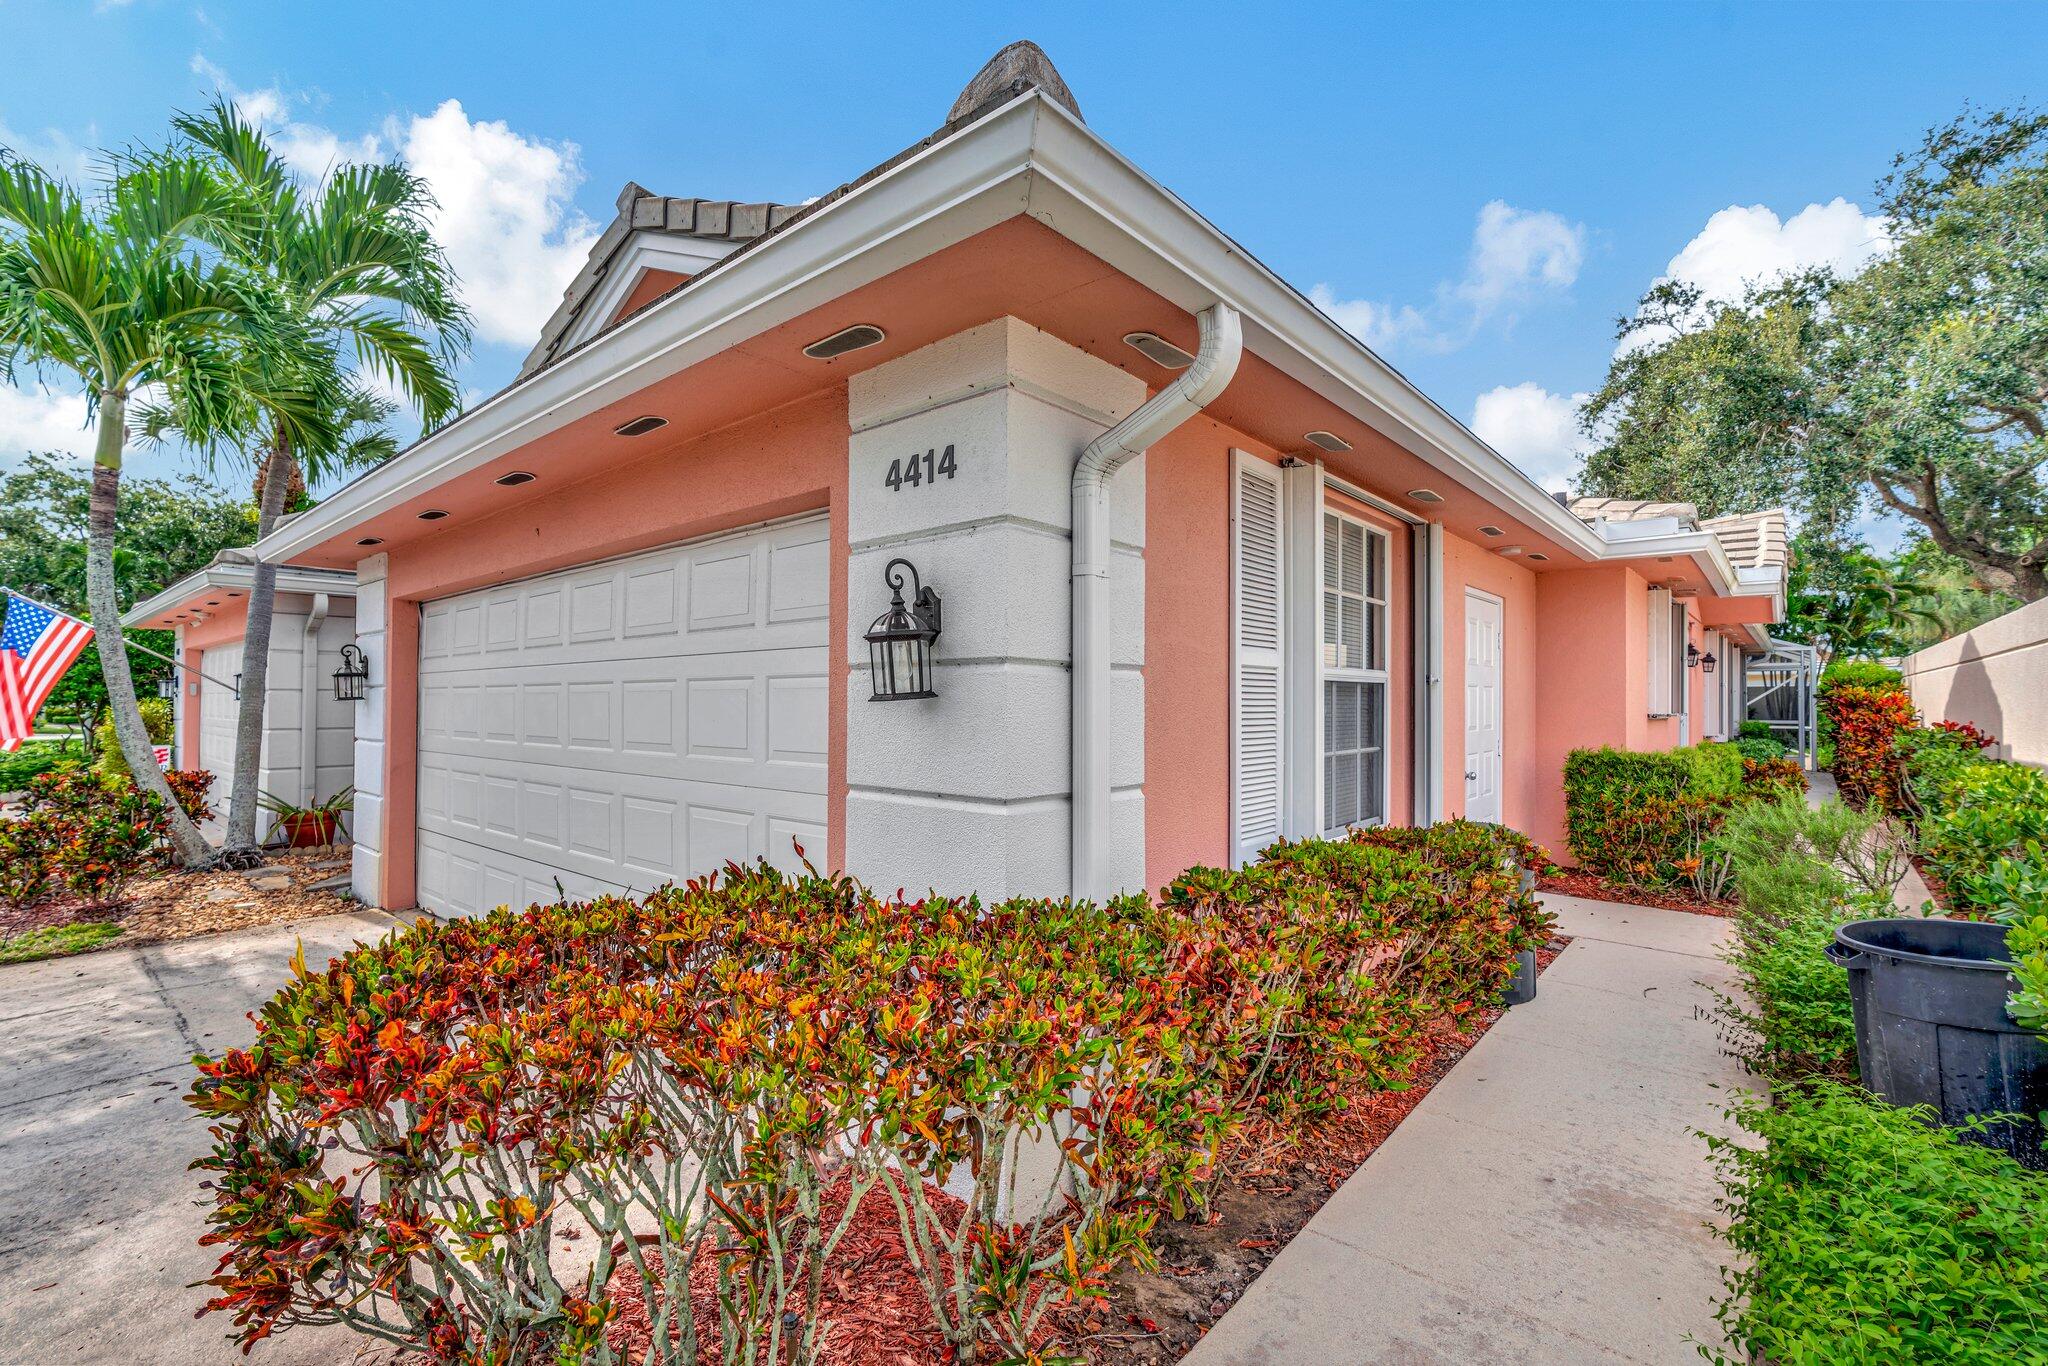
{"x": 1642, "y": 817}
{"x": 1869, "y": 1234}
{"x": 34, "y": 757}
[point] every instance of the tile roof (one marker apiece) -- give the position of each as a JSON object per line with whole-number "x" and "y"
{"x": 1754, "y": 540}
{"x": 1629, "y": 509}
{"x": 1018, "y": 68}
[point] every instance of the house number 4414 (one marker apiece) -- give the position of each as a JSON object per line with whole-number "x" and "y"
{"x": 928, "y": 468}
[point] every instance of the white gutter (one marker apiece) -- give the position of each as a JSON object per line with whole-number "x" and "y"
{"x": 1214, "y": 367}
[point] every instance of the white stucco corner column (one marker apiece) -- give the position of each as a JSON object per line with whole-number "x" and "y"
{"x": 969, "y": 791}
{"x": 371, "y": 729}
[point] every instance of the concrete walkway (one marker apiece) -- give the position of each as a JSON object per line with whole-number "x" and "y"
{"x": 99, "y": 1218}
{"x": 1549, "y": 1201}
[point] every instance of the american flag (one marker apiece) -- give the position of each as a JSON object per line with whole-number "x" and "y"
{"x": 36, "y": 647}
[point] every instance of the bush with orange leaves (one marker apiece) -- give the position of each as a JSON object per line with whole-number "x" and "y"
{"x": 688, "y": 1076}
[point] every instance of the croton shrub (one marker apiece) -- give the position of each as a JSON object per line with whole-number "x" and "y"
{"x": 1866, "y": 722}
{"x": 1648, "y": 818}
{"x": 90, "y": 835}
{"x": 713, "y": 1079}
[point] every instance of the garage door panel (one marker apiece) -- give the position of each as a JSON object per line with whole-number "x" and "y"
{"x": 623, "y": 725}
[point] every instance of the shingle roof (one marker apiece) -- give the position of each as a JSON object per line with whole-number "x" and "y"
{"x": 1754, "y": 540}
{"x": 710, "y": 220}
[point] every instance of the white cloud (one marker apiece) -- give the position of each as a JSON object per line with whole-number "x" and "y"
{"x": 1378, "y": 325}
{"x": 1741, "y": 247}
{"x": 1517, "y": 256}
{"x": 1534, "y": 428}
{"x": 35, "y": 418}
{"x": 506, "y": 212}
{"x": 53, "y": 150}
{"x": 1518, "y": 253}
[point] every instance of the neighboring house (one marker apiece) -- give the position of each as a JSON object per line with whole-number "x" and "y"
{"x": 615, "y": 614}
{"x": 308, "y": 751}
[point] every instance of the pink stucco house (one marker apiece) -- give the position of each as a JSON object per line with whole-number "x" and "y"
{"x": 1210, "y": 570}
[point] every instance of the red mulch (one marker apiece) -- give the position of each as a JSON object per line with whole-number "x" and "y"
{"x": 1570, "y": 883}
{"x": 1277, "y": 1179}
{"x": 876, "y": 1308}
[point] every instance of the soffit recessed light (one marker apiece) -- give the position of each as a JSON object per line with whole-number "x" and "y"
{"x": 1158, "y": 350}
{"x": 1663, "y": 559}
{"x": 856, "y": 338}
{"x": 1329, "y": 441}
{"x": 1491, "y": 531}
{"x": 1509, "y": 550}
{"x": 1425, "y": 495}
{"x": 515, "y": 478}
{"x": 213, "y": 602}
{"x": 371, "y": 540}
{"x": 640, "y": 426}
{"x": 1538, "y": 555}
{"x": 432, "y": 515}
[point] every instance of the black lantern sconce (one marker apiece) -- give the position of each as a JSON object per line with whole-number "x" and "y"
{"x": 352, "y": 679}
{"x": 900, "y": 641}
{"x": 1692, "y": 655}
{"x": 1707, "y": 663}
{"x": 167, "y": 687}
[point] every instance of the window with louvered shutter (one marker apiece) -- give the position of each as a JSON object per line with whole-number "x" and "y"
{"x": 1660, "y": 653}
{"x": 1256, "y": 636}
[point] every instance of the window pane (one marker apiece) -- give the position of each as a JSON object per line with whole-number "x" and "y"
{"x": 1330, "y": 652}
{"x": 1354, "y": 558}
{"x": 1375, "y": 630}
{"x": 1351, "y": 634}
{"x": 1375, "y": 567}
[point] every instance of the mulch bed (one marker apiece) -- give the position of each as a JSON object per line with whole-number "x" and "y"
{"x": 1592, "y": 888}
{"x": 1278, "y": 1180}
{"x": 181, "y": 905}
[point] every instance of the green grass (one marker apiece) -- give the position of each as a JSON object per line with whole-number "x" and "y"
{"x": 35, "y": 757}
{"x": 55, "y": 941}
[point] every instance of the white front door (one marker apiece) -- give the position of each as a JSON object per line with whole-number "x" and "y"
{"x": 1484, "y": 616}
{"x": 620, "y": 725}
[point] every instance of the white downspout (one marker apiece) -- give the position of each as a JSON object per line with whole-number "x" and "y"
{"x": 309, "y": 703}
{"x": 1214, "y": 366}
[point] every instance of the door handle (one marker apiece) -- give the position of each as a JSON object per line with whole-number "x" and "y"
{"x": 1471, "y": 776}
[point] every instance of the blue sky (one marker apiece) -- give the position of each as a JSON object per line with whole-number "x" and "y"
{"x": 1477, "y": 189}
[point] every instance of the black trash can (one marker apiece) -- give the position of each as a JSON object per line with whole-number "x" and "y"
{"x": 1522, "y": 990}
{"x": 1931, "y": 1027}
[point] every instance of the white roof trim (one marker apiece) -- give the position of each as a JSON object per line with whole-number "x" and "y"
{"x": 290, "y": 579}
{"x": 1029, "y": 155}
{"x": 647, "y": 249}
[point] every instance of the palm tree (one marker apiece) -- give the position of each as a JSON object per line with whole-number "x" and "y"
{"x": 115, "y": 292}
{"x": 353, "y": 262}
{"x": 1868, "y": 607}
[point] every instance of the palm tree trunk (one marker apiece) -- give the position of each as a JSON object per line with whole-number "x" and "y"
{"x": 241, "y": 840}
{"x": 102, "y": 509}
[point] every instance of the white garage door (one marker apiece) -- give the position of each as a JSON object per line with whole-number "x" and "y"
{"x": 217, "y": 715}
{"x": 624, "y": 724}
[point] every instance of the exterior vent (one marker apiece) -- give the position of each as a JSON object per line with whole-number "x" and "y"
{"x": 854, "y": 338}
{"x": 371, "y": 540}
{"x": 514, "y": 479}
{"x": 432, "y": 515}
{"x": 1491, "y": 531}
{"x": 641, "y": 426}
{"x": 1425, "y": 495}
{"x": 1538, "y": 555}
{"x": 1509, "y": 550}
{"x": 1329, "y": 441}
{"x": 1158, "y": 350}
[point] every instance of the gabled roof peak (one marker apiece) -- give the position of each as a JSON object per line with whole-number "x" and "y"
{"x": 1018, "y": 67}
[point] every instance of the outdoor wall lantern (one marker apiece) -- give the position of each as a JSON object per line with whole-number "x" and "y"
{"x": 1707, "y": 663}
{"x": 1692, "y": 655}
{"x": 352, "y": 679}
{"x": 900, "y": 641}
{"x": 167, "y": 686}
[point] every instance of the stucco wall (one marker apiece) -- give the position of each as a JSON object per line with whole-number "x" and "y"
{"x": 786, "y": 461}
{"x": 1994, "y": 677}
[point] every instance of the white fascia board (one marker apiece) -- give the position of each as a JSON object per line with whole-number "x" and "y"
{"x": 290, "y": 579}
{"x": 645, "y": 250}
{"x": 1087, "y": 191}
{"x": 947, "y": 193}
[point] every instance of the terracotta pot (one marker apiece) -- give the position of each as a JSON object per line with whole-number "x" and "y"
{"x": 309, "y": 829}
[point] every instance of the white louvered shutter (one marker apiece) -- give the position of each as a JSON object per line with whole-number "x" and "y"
{"x": 1256, "y": 733}
{"x": 1660, "y": 653}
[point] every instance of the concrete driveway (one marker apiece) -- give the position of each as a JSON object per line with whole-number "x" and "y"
{"x": 99, "y": 1218}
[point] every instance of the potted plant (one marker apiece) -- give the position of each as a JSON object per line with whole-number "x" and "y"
{"x": 305, "y": 827}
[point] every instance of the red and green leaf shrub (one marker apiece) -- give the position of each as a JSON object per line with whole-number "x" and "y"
{"x": 415, "y": 1122}
{"x": 96, "y": 837}
{"x": 1647, "y": 818}
{"x": 1772, "y": 777}
{"x": 1866, "y": 722}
